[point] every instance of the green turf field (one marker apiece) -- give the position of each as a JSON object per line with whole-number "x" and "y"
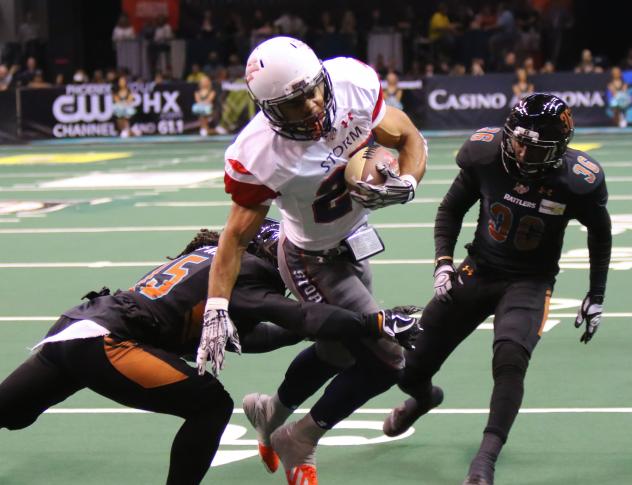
{"x": 75, "y": 217}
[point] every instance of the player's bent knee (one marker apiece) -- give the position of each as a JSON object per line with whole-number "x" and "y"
{"x": 510, "y": 358}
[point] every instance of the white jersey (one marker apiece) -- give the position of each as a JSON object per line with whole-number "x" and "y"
{"x": 306, "y": 178}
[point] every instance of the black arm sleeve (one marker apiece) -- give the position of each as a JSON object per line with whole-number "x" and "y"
{"x": 457, "y": 201}
{"x": 597, "y": 220}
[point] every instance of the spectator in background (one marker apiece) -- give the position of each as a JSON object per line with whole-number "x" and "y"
{"x": 6, "y": 76}
{"x": 548, "y": 68}
{"x": 505, "y": 35}
{"x": 521, "y": 87}
{"x": 442, "y": 32}
{"x": 25, "y": 76}
{"x": 586, "y": 64}
{"x": 123, "y": 30}
{"x": 618, "y": 98}
{"x": 235, "y": 68}
{"x": 196, "y": 74}
{"x": 97, "y": 77}
{"x": 392, "y": 92}
{"x": 208, "y": 29}
{"x": 509, "y": 62}
{"x": 29, "y": 36}
{"x": 110, "y": 76}
{"x": 557, "y": 23}
{"x": 38, "y": 81}
{"x": 213, "y": 65}
{"x": 290, "y": 24}
{"x": 477, "y": 68}
{"x": 80, "y": 76}
{"x": 458, "y": 69}
{"x": 626, "y": 64}
{"x": 59, "y": 79}
{"x": 163, "y": 35}
{"x": 123, "y": 106}
{"x": 380, "y": 66}
{"x": 203, "y": 106}
{"x": 529, "y": 66}
{"x": 260, "y": 24}
{"x": 429, "y": 70}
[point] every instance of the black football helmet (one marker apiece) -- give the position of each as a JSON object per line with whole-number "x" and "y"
{"x": 264, "y": 244}
{"x": 542, "y": 124}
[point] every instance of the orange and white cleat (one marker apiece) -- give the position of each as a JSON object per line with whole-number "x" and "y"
{"x": 302, "y": 475}
{"x": 255, "y": 406}
{"x": 269, "y": 458}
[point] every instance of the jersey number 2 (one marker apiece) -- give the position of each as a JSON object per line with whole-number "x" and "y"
{"x": 332, "y": 198}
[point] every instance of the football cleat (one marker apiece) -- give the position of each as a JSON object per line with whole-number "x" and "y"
{"x": 302, "y": 475}
{"x": 298, "y": 456}
{"x": 402, "y": 417}
{"x": 254, "y": 406}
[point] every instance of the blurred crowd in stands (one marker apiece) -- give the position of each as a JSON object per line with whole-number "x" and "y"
{"x": 448, "y": 37}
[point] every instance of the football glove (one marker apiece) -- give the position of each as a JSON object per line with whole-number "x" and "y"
{"x": 590, "y": 312}
{"x": 400, "y": 328}
{"x": 394, "y": 190}
{"x": 217, "y": 331}
{"x": 445, "y": 279}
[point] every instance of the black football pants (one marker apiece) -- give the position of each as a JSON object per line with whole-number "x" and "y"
{"x": 130, "y": 373}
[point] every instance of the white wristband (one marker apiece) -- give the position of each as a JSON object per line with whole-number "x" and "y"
{"x": 411, "y": 179}
{"x": 214, "y": 303}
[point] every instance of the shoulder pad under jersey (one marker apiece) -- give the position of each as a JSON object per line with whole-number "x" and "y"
{"x": 481, "y": 148}
{"x": 582, "y": 173}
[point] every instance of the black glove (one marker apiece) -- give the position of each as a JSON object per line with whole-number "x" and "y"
{"x": 590, "y": 311}
{"x": 445, "y": 279}
{"x": 399, "y": 327}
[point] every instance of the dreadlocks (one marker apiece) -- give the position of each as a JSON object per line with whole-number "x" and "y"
{"x": 203, "y": 238}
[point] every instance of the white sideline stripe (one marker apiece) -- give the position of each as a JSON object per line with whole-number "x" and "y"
{"x": 364, "y": 411}
{"x": 550, "y": 316}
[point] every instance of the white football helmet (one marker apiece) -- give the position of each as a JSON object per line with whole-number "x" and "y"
{"x": 281, "y": 70}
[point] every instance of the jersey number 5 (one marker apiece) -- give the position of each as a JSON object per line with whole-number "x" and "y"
{"x": 159, "y": 283}
{"x": 332, "y": 198}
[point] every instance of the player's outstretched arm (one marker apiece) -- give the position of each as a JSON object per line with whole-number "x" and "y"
{"x": 217, "y": 327}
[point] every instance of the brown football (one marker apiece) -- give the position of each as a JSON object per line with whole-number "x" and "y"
{"x": 363, "y": 165}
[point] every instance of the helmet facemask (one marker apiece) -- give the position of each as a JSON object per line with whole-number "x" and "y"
{"x": 541, "y": 157}
{"x": 313, "y": 127}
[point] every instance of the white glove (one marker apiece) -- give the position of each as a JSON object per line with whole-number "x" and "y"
{"x": 590, "y": 311}
{"x": 445, "y": 279}
{"x": 394, "y": 190}
{"x": 217, "y": 330}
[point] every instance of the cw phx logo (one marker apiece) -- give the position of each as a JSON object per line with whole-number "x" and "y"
{"x": 88, "y": 109}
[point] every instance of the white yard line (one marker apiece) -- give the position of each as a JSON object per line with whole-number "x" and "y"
{"x": 613, "y": 410}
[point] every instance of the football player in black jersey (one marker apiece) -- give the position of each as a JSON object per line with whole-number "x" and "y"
{"x": 129, "y": 346}
{"x": 529, "y": 184}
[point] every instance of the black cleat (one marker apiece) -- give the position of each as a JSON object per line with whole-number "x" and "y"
{"x": 402, "y": 417}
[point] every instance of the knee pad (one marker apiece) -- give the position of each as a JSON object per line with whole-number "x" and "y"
{"x": 509, "y": 358}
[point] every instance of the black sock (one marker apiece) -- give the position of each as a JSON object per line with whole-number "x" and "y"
{"x": 306, "y": 374}
{"x": 484, "y": 462}
{"x": 196, "y": 443}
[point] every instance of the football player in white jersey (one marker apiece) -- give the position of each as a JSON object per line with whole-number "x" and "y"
{"x": 313, "y": 116}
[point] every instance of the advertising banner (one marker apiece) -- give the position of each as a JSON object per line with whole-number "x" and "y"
{"x": 462, "y": 102}
{"x": 86, "y": 110}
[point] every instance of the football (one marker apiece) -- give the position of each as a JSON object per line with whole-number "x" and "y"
{"x": 363, "y": 165}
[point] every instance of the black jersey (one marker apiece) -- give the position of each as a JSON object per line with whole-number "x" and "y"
{"x": 521, "y": 224}
{"x": 165, "y": 307}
